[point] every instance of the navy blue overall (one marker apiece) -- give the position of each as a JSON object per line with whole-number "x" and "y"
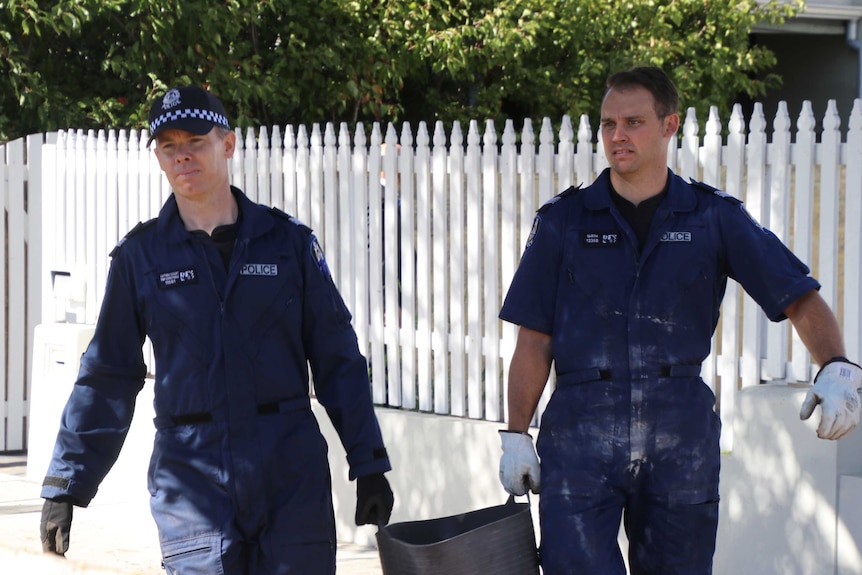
{"x": 239, "y": 476}
{"x": 631, "y": 426}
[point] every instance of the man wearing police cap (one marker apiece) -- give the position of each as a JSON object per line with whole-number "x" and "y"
{"x": 238, "y": 302}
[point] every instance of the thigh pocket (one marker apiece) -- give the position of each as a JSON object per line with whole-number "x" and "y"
{"x": 197, "y": 555}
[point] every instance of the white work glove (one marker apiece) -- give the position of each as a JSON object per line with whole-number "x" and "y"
{"x": 519, "y": 465}
{"x": 836, "y": 389}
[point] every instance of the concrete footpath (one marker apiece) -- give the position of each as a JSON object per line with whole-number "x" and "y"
{"x": 110, "y": 537}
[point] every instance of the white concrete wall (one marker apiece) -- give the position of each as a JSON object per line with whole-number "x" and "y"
{"x": 791, "y": 503}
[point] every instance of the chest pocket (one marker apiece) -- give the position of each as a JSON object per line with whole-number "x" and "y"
{"x": 180, "y": 314}
{"x": 683, "y": 278}
{"x": 597, "y": 268}
{"x": 270, "y": 294}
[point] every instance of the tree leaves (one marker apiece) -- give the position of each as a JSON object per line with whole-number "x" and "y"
{"x": 98, "y": 63}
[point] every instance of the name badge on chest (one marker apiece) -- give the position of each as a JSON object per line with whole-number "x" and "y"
{"x": 600, "y": 239}
{"x": 178, "y": 278}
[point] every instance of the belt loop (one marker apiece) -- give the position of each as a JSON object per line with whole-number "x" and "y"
{"x": 167, "y": 421}
{"x": 680, "y": 371}
{"x": 163, "y": 422}
{"x": 192, "y": 418}
{"x": 267, "y": 408}
{"x": 284, "y": 406}
{"x": 583, "y": 376}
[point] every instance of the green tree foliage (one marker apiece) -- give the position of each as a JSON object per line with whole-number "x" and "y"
{"x": 97, "y": 63}
{"x": 537, "y": 58}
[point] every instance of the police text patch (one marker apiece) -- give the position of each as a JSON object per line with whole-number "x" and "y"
{"x": 675, "y": 237}
{"x": 178, "y": 278}
{"x": 600, "y": 239}
{"x": 259, "y": 270}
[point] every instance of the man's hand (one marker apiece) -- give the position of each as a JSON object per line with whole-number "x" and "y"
{"x": 374, "y": 500}
{"x": 519, "y": 465}
{"x": 55, "y": 526}
{"x": 836, "y": 389}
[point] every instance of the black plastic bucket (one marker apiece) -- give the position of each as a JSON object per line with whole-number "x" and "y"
{"x": 496, "y": 540}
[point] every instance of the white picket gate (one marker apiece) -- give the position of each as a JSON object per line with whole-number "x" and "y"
{"x": 424, "y": 264}
{"x": 20, "y": 278}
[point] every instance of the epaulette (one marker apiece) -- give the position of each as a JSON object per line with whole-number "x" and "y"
{"x": 285, "y": 216}
{"x": 733, "y": 199}
{"x": 715, "y": 191}
{"x": 567, "y": 192}
{"x": 139, "y": 227}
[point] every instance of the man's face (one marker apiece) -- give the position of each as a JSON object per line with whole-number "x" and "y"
{"x": 634, "y": 137}
{"x": 196, "y": 165}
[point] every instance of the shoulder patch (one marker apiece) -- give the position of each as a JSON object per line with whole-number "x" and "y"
{"x": 715, "y": 191}
{"x": 285, "y": 216}
{"x": 139, "y": 227}
{"x": 317, "y": 254}
{"x": 534, "y": 230}
{"x": 567, "y": 192}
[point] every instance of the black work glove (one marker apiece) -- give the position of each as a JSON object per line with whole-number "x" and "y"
{"x": 374, "y": 500}
{"x": 56, "y": 525}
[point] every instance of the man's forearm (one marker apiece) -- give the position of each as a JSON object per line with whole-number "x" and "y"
{"x": 528, "y": 374}
{"x": 817, "y": 327}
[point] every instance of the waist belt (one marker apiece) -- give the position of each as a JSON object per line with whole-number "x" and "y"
{"x": 601, "y": 374}
{"x": 285, "y": 406}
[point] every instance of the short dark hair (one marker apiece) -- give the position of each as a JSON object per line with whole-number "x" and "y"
{"x": 653, "y": 79}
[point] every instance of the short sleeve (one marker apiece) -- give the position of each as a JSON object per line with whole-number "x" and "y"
{"x": 532, "y": 295}
{"x": 768, "y": 271}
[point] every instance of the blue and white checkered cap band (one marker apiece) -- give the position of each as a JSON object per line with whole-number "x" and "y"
{"x": 196, "y": 113}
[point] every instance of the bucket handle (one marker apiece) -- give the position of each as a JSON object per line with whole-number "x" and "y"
{"x": 511, "y": 499}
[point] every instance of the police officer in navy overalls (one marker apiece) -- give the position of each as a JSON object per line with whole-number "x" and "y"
{"x": 620, "y": 286}
{"x": 238, "y": 302}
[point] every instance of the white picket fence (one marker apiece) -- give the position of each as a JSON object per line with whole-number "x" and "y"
{"x": 457, "y": 221}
